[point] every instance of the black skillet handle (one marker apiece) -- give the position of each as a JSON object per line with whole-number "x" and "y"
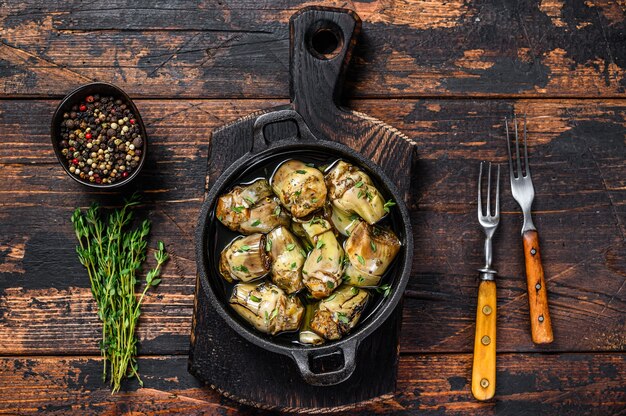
{"x": 260, "y": 143}
{"x": 322, "y": 39}
{"x": 303, "y": 357}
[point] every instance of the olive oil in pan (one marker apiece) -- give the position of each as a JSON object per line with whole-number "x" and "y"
{"x": 220, "y": 236}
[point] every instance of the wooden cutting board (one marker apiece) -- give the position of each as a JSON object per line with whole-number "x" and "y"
{"x": 322, "y": 40}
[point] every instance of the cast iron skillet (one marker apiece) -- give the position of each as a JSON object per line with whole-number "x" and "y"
{"x": 209, "y": 227}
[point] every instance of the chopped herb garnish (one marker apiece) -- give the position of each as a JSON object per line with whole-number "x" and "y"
{"x": 243, "y": 248}
{"x": 369, "y": 195}
{"x": 249, "y": 200}
{"x": 302, "y": 252}
{"x": 239, "y": 209}
{"x": 293, "y": 265}
{"x": 354, "y": 290}
{"x": 297, "y": 193}
{"x": 311, "y": 165}
{"x": 319, "y": 258}
{"x": 361, "y": 279}
{"x": 360, "y": 194}
{"x": 255, "y": 299}
{"x": 320, "y": 244}
{"x": 267, "y": 316}
{"x": 331, "y": 297}
{"x": 359, "y": 184}
{"x": 384, "y": 289}
{"x": 373, "y": 246}
{"x": 360, "y": 259}
{"x": 219, "y": 217}
{"x": 342, "y": 318}
{"x": 241, "y": 268}
{"x": 277, "y": 211}
{"x": 314, "y": 200}
{"x": 345, "y": 278}
{"x": 301, "y": 172}
{"x": 354, "y": 217}
{"x": 268, "y": 245}
{"x": 388, "y": 205}
{"x": 330, "y": 285}
{"x": 274, "y": 314}
{"x": 255, "y": 223}
{"x": 291, "y": 246}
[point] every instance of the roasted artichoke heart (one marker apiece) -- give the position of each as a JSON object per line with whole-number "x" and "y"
{"x": 352, "y": 191}
{"x": 245, "y": 259}
{"x": 370, "y": 250}
{"x": 287, "y": 259}
{"x": 251, "y": 209}
{"x": 323, "y": 267}
{"x": 340, "y": 312}
{"x": 301, "y": 188}
{"x": 267, "y": 307}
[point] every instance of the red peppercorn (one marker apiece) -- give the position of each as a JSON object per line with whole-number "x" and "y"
{"x": 89, "y": 99}
{"x": 72, "y": 149}
{"x": 98, "y": 180}
{"x": 82, "y": 107}
{"x": 88, "y": 136}
{"x": 75, "y": 161}
{"x": 124, "y": 174}
{"x": 131, "y": 121}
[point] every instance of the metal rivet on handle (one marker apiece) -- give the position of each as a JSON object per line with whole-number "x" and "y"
{"x": 538, "y": 286}
{"x": 484, "y": 383}
{"x": 487, "y": 310}
{"x": 485, "y": 340}
{"x": 540, "y": 318}
{"x": 533, "y": 251}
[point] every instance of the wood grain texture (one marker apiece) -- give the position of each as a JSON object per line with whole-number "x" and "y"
{"x": 540, "y": 322}
{"x": 581, "y": 384}
{"x": 484, "y": 361}
{"x": 577, "y": 149}
{"x": 239, "y": 48}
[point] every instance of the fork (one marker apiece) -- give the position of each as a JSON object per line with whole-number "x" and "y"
{"x": 524, "y": 193}
{"x": 484, "y": 366}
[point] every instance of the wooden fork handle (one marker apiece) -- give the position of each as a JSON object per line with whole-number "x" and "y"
{"x": 484, "y": 367}
{"x": 540, "y": 323}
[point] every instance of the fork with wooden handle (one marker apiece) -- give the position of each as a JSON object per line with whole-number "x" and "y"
{"x": 484, "y": 366}
{"x": 524, "y": 193}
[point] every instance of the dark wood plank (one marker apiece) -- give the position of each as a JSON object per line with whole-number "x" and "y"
{"x": 577, "y": 149}
{"x": 581, "y": 384}
{"x": 240, "y": 48}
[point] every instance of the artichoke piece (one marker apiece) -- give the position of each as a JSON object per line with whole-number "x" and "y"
{"x": 337, "y": 315}
{"x": 370, "y": 251}
{"x": 343, "y": 221}
{"x": 308, "y": 229}
{"x": 352, "y": 191}
{"x": 251, "y": 208}
{"x": 245, "y": 259}
{"x": 264, "y": 217}
{"x": 323, "y": 267}
{"x": 301, "y": 188}
{"x": 267, "y": 307}
{"x": 287, "y": 259}
{"x": 307, "y": 335}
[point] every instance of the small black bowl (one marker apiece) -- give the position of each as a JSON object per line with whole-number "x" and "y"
{"x": 79, "y": 95}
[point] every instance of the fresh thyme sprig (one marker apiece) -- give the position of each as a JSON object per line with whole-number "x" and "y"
{"x": 113, "y": 255}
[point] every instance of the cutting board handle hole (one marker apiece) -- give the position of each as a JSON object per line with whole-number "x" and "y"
{"x": 325, "y": 40}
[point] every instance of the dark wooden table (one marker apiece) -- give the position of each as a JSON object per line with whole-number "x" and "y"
{"x": 445, "y": 74}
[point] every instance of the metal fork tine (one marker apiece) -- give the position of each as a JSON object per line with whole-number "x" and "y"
{"x": 526, "y": 163}
{"x": 498, "y": 193}
{"x": 489, "y": 191}
{"x": 517, "y": 160}
{"x": 480, "y": 182}
{"x": 508, "y": 148}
